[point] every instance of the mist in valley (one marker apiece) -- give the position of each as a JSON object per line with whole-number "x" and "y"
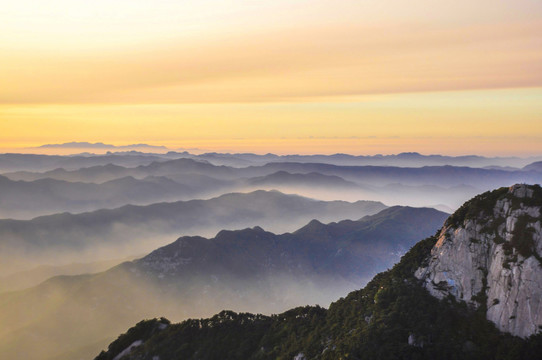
{"x": 64, "y": 320}
{"x": 243, "y": 270}
{"x": 32, "y": 194}
{"x": 180, "y": 158}
{"x": 91, "y": 245}
{"x": 132, "y": 230}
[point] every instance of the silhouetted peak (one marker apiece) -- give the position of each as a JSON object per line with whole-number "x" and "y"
{"x": 312, "y": 227}
{"x": 409, "y": 155}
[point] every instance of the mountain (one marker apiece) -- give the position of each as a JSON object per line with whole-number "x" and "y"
{"x": 439, "y": 197}
{"x": 25, "y": 200}
{"x": 110, "y": 171}
{"x": 196, "y": 276}
{"x": 33, "y": 162}
{"x": 347, "y": 249}
{"x": 425, "y": 186}
{"x": 489, "y": 255}
{"x": 408, "y": 159}
{"x": 283, "y": 178}
{"x": 536, "y": 166}
{"x": 28, "y": 278}
{"x": 369, "y": 175}
{"x": 131, "y": 230}
{"x": 177, "y": 168}
{"x": 449, "y": 297}
{"x": 92, "y": 174}
{"x": 102, "y": 146}
{"x": 505, "y": 168}
{"x": 313, "y": 185}
{"x": 427, "y": 175}
{"x": 330, "y": 187}
{"x": 185, "y": 180}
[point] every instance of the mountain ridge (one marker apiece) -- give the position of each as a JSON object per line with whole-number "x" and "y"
{"x": 16, "y": 161}
{"x": 196, "y": 275}
{"x": 132, "y": 229}
{"x": 393, "y": 316}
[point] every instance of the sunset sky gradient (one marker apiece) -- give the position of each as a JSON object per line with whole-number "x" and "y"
{"x": 362, "y": 77}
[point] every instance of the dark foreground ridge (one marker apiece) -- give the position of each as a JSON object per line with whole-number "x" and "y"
{"x": 393, "y": 317}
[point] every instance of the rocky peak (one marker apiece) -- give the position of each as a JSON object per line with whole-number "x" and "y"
{"x": 521, "y": 191}
{"x": 488, "y": 254}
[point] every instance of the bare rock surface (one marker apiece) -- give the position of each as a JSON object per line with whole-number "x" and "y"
{"x": 488, "y": 254}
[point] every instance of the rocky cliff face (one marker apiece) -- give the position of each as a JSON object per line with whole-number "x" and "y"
{"x": 489, "y": 255}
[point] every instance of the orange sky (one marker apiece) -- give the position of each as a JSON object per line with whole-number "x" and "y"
{"x": 323, "y": 76}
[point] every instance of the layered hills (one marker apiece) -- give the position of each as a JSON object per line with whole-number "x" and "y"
{"x": 132, "y": 230}
{"x": 25, "y": 200}
{"x": 186, "y": 178}
{"x": 83, "y": 213}
{"x": 445, "y": 175}
{"x": 472, "y": 291}
{"x": 31, "y": 162}
{"x": 251, "y": 269}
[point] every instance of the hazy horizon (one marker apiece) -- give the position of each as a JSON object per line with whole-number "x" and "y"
{"x": 62, "y": 148}
{"x": 285, "y": 76}
{"x": 218, "y": 121}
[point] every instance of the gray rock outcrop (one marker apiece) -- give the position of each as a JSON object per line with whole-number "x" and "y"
{"x": 488, "y": 255}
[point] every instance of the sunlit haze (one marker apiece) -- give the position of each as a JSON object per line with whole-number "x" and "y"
{"x": 360, "y": 77}
{"x": 268, "y": 157}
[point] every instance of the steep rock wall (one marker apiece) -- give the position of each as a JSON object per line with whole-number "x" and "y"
{"x": 488, "y": 255}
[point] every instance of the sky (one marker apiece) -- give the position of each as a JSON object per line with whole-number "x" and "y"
{"x": 320, "y": 76}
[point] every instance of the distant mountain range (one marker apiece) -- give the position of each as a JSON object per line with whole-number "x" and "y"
{"x": 101, "y": 173}
{"x": 375, "y": 175}
{"x": 195, "y": 276}
{"x": 536, "y": 166}
{"x": 26, "y": 200}
{"x": 407, "y": 159}
{"x": 102, "y": 146}
{"x": 310, "y": 179}
{"x": 29, "y": 162}
{"x": 130, "y": 229}
{"x": 32, "y": 162}
{"x": 427, "y": 175}
{"x": 75, "y": 211}
{"x": 446, "y": 186}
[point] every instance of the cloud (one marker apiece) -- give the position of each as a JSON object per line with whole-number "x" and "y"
{"x": 290, "y": 64}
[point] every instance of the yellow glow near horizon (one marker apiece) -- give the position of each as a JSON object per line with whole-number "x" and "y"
{"x": 507, "y": 121}
{"x": 285, "y": 76}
